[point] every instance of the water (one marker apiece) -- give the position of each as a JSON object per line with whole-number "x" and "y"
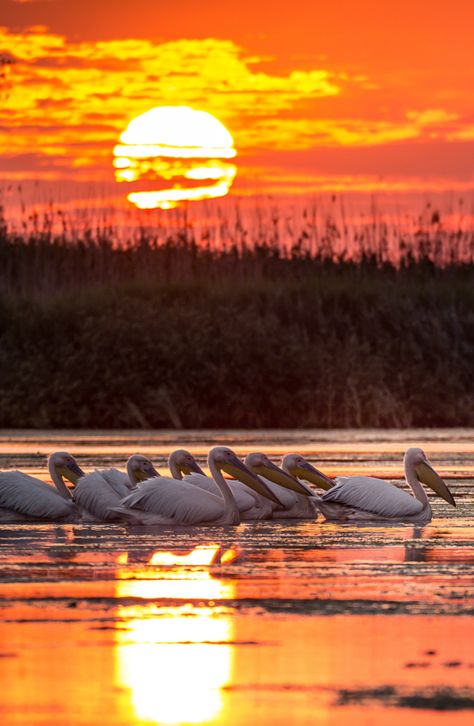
{"x": 281, "y": 622}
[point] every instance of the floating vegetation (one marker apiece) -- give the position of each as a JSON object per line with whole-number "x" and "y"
{"x": 442, "y": 699}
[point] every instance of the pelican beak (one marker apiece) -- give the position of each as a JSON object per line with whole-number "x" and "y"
{"x": 274, "y": 473}
{"x": 192, "y": 468}
{"x": 428, "y": 476}
{"x": 73, "y": 472}
{"x": 308, "y": 472}
{"x": 148, "y": 473}
{"x": 239, "y": 471}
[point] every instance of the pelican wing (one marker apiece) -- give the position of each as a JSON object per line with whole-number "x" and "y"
{"x": 96, "y": 496}
{"x": 8, "y": 516}
{"x": 245, "y": 498}
{"x": 373, "y": 495}
{"x": 117, "y": 480}
{"x": 179, "y": 501}
{"x": 286, "y": 496}
{"x": 32, "y": 497}
{"x": 203, "y": 482}
{"x": 295, "y": 505}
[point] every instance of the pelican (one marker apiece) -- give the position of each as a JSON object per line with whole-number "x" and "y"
{"x": 297, "y": 466}
{"x": 182, "y": 462}
{"x": 365, "y": 498}
{"x": 24, "y": 497}
{"x": 101, "y": 490}
{"x": 295, "y": 497}
{"x": 250, "y": 504}
{"x": 163, "y": 500}
{"x": 298, "y": 506}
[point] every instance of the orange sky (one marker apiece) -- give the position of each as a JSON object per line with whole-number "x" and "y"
{"x": 355, "y": 95}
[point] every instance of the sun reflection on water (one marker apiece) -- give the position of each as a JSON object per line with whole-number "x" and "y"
{"x": 174, "y": 659}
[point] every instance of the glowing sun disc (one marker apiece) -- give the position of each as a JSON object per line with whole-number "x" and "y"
{"x": 172, "y": 154}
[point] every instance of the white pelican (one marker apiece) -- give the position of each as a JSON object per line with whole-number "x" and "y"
{"x": 24, "y": 497}
{"x": 295, "y": 497}
{"x": 359, "y": 498}
{"x": 182, "y": 462}
{"x": 163, "y": 500}
{"x": 250, "y": 504}
{"x": 297, "y": 466}
{"x": 96, "y": 493}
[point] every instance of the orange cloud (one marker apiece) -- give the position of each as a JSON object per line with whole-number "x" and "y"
{"x": 69, "y": 100}
{"x": 65, "y": 84}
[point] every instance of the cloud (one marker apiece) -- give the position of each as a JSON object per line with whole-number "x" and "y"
{"x": 64, "y": 83}
{"x": 432, "y": 117}
{"x": 72, "y": 99}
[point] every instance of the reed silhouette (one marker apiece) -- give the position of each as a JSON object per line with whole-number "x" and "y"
{"x": 165, "y": 328}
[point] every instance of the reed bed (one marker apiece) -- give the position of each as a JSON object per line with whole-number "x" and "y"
{"x": 170, "y": 327}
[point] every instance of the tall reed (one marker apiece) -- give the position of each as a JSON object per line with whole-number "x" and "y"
{"x": 176, "y": 330}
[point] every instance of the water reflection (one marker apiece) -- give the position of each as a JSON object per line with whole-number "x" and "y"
{"x": 174, "y": 660}
{"x": 314, "y": 623}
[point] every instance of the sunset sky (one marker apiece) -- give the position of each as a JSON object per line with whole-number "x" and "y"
{"x": 317, "y": 95}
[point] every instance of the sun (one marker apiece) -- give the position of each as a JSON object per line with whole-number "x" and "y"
{"x": 172, "y": 154}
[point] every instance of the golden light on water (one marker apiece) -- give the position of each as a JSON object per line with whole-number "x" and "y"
{"x": 174, "y": 661}
{"x": 173, "y": 154}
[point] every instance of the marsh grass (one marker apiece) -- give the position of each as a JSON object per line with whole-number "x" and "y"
{"x": 244, "y": 329}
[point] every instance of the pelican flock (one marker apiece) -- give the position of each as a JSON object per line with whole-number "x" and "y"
{"x": 259, "y": 489}
{"x": 164, "y": 500}
{"x": 287, "y": 490}
{"x": 250, "y": 504}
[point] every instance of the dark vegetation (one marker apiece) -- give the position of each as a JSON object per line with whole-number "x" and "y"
{"x": 442, "y": 699}
{"x": 173, "y": 331}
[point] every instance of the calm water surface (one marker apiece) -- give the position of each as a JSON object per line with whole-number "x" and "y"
{"x": 271, "y": 622}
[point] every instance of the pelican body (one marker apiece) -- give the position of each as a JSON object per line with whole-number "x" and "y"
{"x": 164, "y": 500}
{"x": 98, "y": 492}
{"x": 24, "y": 497}
{"x": 365, "y": 498}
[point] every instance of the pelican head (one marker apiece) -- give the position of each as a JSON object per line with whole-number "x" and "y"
{"x": 140, "y": 468}
{"x": 425, "y": 473}
{"x": 225, "y": 460}
{"x": 65, "y": 465}
{"x": 297, "y": 465}
{"x": 261, "y": 465}
{"x": 184, "y": 462}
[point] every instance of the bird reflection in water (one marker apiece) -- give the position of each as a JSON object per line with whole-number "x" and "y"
{"x": 174, "y": 657}
{"x": 415, "y": 548}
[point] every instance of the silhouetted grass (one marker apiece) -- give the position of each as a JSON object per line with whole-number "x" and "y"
{"x": 172, "y": 331}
